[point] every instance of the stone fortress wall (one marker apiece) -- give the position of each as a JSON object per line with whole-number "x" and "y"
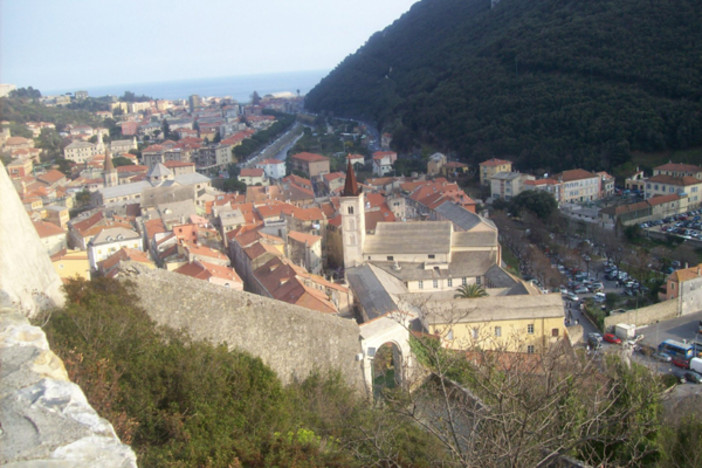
{"x": 45, "y": 419}
{"x": 292, "y": 340}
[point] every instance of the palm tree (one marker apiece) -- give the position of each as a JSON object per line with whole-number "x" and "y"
{"x": 468, "y": 291}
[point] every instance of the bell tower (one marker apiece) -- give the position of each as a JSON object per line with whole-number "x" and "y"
{"x": 111, "y": 177}
{"x": 353, "y": 220}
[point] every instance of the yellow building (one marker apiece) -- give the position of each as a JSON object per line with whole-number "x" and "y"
{"x": 72, "y": 263}
{"x": 520, "y": 323}
{"x": 491, "y": 167}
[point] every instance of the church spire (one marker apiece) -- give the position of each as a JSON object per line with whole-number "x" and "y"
{"x": 350, "y": 186}
{"x": 109, "y": 164}
{"x": 111, "y": 178}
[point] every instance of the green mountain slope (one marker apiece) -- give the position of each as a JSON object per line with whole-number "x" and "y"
{"x": 549, "y": 83}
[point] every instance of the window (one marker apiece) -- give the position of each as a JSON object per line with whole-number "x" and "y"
{"x": 530, "y": 349}
{"x": 498, "y": 331}
{"x": 477, "y": 280}
{"x": 350, "y": 210}
{"x": 530, "y": 329}
{"x": 436, "y": 284}
{"x": 554, "y": 332}
{"x": 390, "y": 258}
{"x": 475, "y": 333}
{"x": 449, "y": 335}
{"x": 432, "y": 256}
{"x": 449, "y": 282}
{"x": 464, "y": 281}
{"x": 420, "y": 284}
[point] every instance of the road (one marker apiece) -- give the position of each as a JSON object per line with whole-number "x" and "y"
{"x": 679, "y": 328}
{"x": 278, "y": 149}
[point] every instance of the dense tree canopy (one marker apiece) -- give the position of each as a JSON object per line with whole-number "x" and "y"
{"x": 550, "y": 84}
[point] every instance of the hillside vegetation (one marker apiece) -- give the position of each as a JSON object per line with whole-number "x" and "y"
{"x": 551, "y": 84}
{"x": 184, "y": 403}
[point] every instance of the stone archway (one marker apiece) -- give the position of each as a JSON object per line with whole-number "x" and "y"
{"x": 385, "y": 345}
{"x": 386, "y": 367}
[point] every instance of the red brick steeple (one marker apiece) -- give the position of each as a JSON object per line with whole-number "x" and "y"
{"x": 351, "y": 186}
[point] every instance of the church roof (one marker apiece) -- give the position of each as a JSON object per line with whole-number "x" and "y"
{"x": 160, "y": 171}
{"x": 420, "y": 237}
{"x": 350, "y": 185}
{"x": 370, "y": 292}
{"x": 109, "y": 164}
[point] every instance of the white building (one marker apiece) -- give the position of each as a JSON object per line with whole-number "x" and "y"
{"x": 80, "y": 151}
{"x": 110, "y": 241}
{"x": 506, "y": 185}
{"x": 274, "y": 168}
{"x": 579, "y": 186}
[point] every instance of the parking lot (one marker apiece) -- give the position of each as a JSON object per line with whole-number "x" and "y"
{"x": 687, "y": 226}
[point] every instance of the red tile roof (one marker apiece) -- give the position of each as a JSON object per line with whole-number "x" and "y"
{"x": 304, "y": 238}
{"x": 251, "y": 172}
{"x": 123, "y": 254}
{"x": 205, "y": 270}
{"x": 309, "y": 157}
{"x": 153, "y": 227}
{"x": 46, "y": 229}
{"x": 495, "y": 162}
{"x": 678, "y": 167}
{"x": 671, "y": 180}
{"x": 50, "y": 177}
{"x": 308, "y": 214}
{"x": 576, "y": 174}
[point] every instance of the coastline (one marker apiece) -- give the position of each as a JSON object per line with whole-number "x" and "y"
{"x": 240, "y": 87}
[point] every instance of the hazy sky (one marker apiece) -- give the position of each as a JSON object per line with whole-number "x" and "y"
{"x": 54, "y": 44}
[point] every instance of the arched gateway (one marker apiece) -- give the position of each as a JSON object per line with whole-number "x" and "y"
{"x": 393, "y": 330}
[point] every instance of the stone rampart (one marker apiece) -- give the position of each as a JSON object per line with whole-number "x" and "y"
{"x": 28, "y": 281}
{"x": 292, "y": 340}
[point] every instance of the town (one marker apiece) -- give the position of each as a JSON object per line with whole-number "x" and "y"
{"x": 346, "y": 233}
{"x": 320, "y": 213}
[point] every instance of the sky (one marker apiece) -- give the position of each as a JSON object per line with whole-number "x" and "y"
{"x": 57, "y": 44}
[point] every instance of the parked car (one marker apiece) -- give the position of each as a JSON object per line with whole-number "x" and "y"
{"x": 581, "y": 290}
{"x": 600, "y": 297}
{"x": 681, "y": 362}
{"x": 594, "y": 340}
{"x": 661, "y": 356}
{"x": 694, "y": 377}
{"x": 612, "y": 338}
{"x": 572, "y": 297}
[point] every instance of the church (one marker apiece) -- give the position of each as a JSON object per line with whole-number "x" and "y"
{"x": 161, "y": 185}
{"x": 426, "y": 256}
{"x": 416, "y": 267}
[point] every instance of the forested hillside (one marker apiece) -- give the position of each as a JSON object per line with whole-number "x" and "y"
{"x": 549, "y": 83}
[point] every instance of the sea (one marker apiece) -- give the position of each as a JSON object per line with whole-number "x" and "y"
{"x": 240, "y": 88}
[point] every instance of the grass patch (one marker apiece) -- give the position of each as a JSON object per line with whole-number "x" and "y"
{"x": 512, "y": 261}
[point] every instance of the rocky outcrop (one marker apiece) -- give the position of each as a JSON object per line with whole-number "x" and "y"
{"x": 28, "y": 280}
{"x": 45, "y": 419}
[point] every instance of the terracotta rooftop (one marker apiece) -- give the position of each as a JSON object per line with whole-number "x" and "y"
{"x": 251, "y": 172}
{"x": 303, "y": 238}
{"x": 671, "y": 180}
{"x": 678, "y": 167}
{"x": 51, "y": 176}
{"x": 576, "y": 174}
{"x": 309, "y": 157}
{"x": 686, "y": 274}
{"x": 495, "y": 162}
{"x": 46, "y": 229}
